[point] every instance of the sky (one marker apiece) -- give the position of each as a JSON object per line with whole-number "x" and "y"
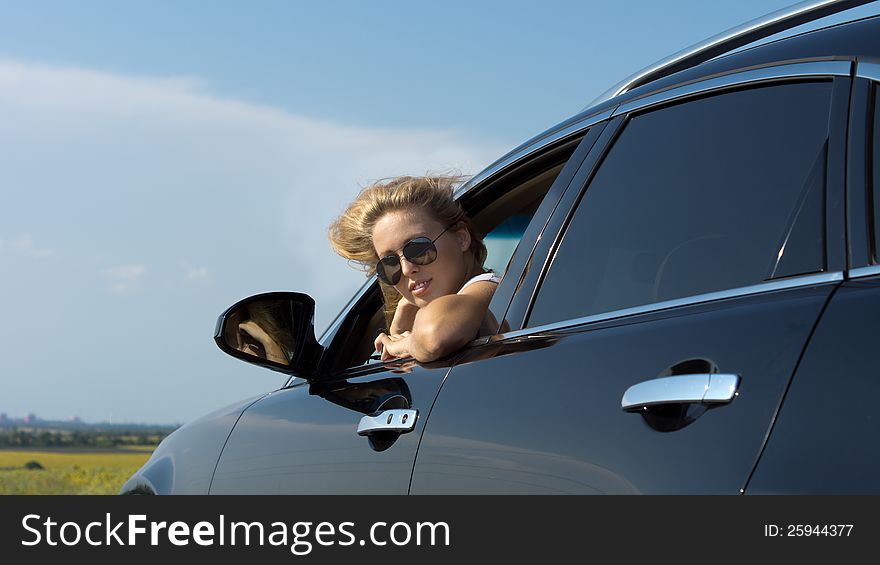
{"x": 161, "y": 160}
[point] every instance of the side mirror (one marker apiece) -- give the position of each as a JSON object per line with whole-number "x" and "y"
{"x": 274, "y": 330}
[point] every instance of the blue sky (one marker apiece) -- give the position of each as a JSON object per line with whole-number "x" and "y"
{"x": 161, "y": 160}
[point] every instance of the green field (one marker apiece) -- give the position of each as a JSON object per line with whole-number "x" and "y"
{"x": 70, "y": 470}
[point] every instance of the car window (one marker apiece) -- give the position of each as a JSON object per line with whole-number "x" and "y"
{"x": 710, "y": 194}
{"x": 501, "y": 242}
{"x": 501, "y": 213}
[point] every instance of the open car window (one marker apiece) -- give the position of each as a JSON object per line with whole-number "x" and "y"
{"x": 502, "y": 214}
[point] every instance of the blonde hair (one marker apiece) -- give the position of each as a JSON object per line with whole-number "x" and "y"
{"x": 351, "y": 234}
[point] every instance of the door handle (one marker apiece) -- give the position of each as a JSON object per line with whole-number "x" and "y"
{"x": 710, "y": 388}
{"x": 395, "y": 420}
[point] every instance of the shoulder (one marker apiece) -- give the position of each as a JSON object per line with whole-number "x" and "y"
{"x": 489, "y": 277}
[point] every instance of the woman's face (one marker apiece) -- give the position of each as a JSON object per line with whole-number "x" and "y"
{"x": 420, "y": 284}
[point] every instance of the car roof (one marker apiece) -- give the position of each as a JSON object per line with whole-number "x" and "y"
{"x": 844, "y": 41}
{"x": 857, "y": 39}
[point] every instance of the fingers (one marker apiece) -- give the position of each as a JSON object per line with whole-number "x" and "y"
{"x": 386, "y": 354}
{"x": 381, "y": 343}
{"x": 378, "y": 343}
{"x": 392, "y": 346}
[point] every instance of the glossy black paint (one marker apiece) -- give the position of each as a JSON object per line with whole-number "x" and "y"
{"x": 305, "y": 352}
{"x": 520, "y": 261}
{"x": 825, "y": 438}
{"x": 539, "y": 260}
{"x": 303, "y": 439}
{"x": 873, "y": 161}
{"x": 756, "y": 35}
{"x": 854, "y": 40}
{"x": 549, "y": 420}
{"x": 858, "y": 197}
{"x": 835, "y": 191}
{"x": 185, "y": 460}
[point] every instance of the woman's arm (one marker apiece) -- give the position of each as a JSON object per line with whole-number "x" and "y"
{"x": 443, "y": 326}
{"x": 404, "y": 317}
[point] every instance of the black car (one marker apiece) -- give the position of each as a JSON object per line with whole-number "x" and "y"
{"x": 690, "y": 293}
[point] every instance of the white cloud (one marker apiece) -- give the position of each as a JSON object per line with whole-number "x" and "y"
{"x": 134, "y": 173}
{"x": 264, "y": 182}
{"x": 124, "y": 278}
{"x": 23, "y": 245}
{"x": 127, "y": 272}
{"x": 159, "y": 162}
{"x": 197, "y": 273}
{"x": 193, "y": 273}
{"x": 178, "y": 111}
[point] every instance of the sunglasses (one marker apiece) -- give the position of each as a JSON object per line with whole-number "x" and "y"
{"x": 418, "y": 251}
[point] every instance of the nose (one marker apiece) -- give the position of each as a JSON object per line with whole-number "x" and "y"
{"x": 407, "y": 267}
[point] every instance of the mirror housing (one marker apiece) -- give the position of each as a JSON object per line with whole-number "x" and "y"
{"x": 274, "y": 330}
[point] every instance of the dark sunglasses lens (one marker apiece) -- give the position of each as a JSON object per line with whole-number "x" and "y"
{"x": 388, "y": 269}
{"x": 420, "y": 251}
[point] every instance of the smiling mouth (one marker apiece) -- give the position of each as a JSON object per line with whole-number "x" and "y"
{"x": 419, "y": 287}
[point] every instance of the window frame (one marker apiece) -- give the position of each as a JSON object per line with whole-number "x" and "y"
{"x": 477, "y": 192}
{"x": 862, "y": 189}
{"x": 839, "y": 72}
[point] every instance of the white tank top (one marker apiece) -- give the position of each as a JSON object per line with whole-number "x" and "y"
{"x": 490, "y": 276}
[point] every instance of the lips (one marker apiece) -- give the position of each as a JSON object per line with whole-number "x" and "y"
{"x": 418, "y": 288}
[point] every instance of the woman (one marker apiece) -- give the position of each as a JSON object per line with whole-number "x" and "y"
{"x": 420, "y": 243}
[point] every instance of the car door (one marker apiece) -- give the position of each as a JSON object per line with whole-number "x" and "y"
{"x": 305, "y": 437}
{"x": 668, "y": 304}
{"x": 824, "y": 440}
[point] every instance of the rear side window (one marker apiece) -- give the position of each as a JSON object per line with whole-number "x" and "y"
{"x": 711, "y": 194}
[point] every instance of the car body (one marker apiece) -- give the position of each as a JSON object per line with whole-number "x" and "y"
{"x": 691, "y": 289}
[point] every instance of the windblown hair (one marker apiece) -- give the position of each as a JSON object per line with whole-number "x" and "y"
{"x": 351, "y": 234}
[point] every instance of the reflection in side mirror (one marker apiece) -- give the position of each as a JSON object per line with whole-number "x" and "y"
{"x": 262, "y": 329}
{"x": 273, "y": 330}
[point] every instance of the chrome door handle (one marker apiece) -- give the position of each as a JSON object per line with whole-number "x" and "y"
{"x": 396, "y": 420}
{"x": 681, "y": 389}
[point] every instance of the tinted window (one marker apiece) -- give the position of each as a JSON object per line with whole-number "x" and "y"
{"x": 716, "y": 193}
{"x": 501, "y": 242}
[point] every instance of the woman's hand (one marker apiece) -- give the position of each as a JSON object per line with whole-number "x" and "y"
{"x": 254, "y": 340}
{"x": 404, "y": 316}
{"x": 393, "y": 346}
{"x": 439, "y": 328}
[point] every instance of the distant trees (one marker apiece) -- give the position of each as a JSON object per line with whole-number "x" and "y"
{"x": 31, "y": 437}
